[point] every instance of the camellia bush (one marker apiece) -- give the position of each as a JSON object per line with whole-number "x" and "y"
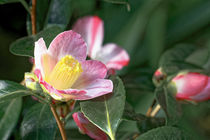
{"x": 105, "y": 69}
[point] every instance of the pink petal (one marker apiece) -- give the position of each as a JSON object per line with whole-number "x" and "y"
{"x": 91, "y": 90}
{"x": 92, "y": 70}
{"x": 189, "y": 84}
{"x": 39, "y": 50}
{"x": 113, "y": 56}
{"x": 88, "y": 128}
{"x": 95, "y": 89}
{"x": 92, "y": 30}
{"x": 68, "y": 43}
{"x": 204, "y": 94}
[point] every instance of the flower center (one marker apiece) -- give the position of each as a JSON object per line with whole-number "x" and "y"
{"x": 65, "y": 73}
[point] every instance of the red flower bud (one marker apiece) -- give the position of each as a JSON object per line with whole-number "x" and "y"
{"x": 192, "y": 86}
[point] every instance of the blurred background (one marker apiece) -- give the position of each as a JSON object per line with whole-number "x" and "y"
{"x": 145, "y": 28}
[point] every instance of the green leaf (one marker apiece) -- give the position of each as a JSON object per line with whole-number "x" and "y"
{"x": 10, "y": 90}
{"x": 106, "y": 111}
{"x": 189, "y": 23}
{"x": 144, "y": 123}
{"x": 120, "y": 2}
{"x": 166, "y": 99}
{"x": 162, "y": 133}
{"x": 25, "y": 45}
{"x": 155, "y": 35}
{"x": 59, "y": 13}
{"x": 38, "y": 123}
{"x": 174, "y": 59}
{"x": 8, "y": 1}
{"x": 9, "y": 115}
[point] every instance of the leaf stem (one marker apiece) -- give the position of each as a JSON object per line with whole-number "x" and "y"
{"x": 33, "y": 17}
{"x": 59, "y": 123}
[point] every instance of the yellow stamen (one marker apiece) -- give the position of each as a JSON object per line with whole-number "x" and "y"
{"x": 65, "y": 73}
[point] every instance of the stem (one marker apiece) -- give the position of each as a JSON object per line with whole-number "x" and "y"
{"x": 156, "y": 110}
{"x": 25, "y": 5}
{"x": 33, "y": 17}
{"x": 59, "y": 123}
{"x": 149, "y": 111}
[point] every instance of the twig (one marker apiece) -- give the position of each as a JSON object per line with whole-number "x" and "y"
{"x": 155, "y": 111}
{"x": 59, "y": 123}
{"x": 149, "y": 111}
{"x": 33, "y": 17}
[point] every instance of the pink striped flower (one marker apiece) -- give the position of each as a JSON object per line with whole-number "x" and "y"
{"x": 88, "y": 128}
{"x": 63, "y": 71}
{"x": 192, "y": 86}
{"x": 92, "y": 30}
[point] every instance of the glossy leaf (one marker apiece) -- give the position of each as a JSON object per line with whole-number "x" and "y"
{"x": 10, "y": 90}
{"x": 38, "y": 123}
{"x": 163, "y": 133}
{"x": 25, "y": 45}
{"x": 106, "y": 111}
{"x": 9, "y": 115}
{"x": 59, "y": 13}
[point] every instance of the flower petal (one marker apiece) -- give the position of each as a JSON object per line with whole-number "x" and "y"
{"x": 113, "y": 56}
{"x": 92, "y": 30}
{"x": 189, "y": 84}
{"x": 68, "y": 43}
{"x": 92, "y": 70}
{"x": 39, "y": 50}
{"x": 91, "y": 90}
{"x": 95, "y": 89}
{"x": 88, "y": 128}
{"x": 204, "y": 94}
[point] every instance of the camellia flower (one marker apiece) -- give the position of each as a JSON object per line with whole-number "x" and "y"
{"x": 92, "y": 30}
{"x": 63, "y": 71}
{"x": 192, "y": 86}
{"x": 88, "y": 128}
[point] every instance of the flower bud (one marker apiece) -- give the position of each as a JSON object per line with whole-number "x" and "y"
{"x": 192, "y": 86}
{"x": 158, "y": 77}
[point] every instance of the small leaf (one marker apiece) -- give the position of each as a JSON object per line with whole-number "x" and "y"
{"x": 9, "y": 114}
{"x": 162, "y": 133}
{"x": 38, "y": 123}
{"x": 120, "y": 2}
{"x": 59, "y": 13}
{"x": 106, "y": 112}
{"x": 10, "y": 90}
{"x": 25, "y": 45}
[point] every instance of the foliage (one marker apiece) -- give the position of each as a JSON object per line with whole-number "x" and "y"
{"x": 173, "y": 35}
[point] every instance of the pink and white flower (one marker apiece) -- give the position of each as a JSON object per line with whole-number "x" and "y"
{"x": 92, "y": 30}
{"x": 192, "y": 86}
{"x": 63, "y": 71}
{"x": 88, "y": 128}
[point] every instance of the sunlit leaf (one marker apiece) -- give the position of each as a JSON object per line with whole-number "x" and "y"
{"x": 38, "y": 123}
{"x": 9, "y": 114}
{"x": 10, "y": 90}
{"x": 106, "y": 111}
